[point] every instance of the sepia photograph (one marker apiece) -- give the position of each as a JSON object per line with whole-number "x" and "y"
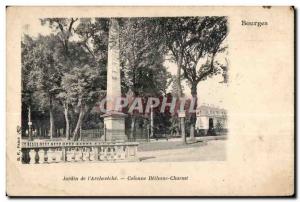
{"x": 124, "y": 89}
{"x": 150, "y": 101}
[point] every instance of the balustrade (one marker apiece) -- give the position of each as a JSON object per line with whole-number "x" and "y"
{"x": 80, "y": 151}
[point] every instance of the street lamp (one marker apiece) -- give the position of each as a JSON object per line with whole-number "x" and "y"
{"x": 29, "y": 124}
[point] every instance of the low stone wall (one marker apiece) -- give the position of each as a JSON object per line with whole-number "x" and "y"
{"x": 77, "y": 151}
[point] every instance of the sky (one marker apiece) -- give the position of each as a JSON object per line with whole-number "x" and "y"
{"x": 35, "y": 28}
{"x": 210, "y": 91}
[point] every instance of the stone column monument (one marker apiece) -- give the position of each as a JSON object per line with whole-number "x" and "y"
{"x": 114, "y": 121}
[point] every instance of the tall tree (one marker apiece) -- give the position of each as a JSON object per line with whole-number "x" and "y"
{"x": 142, "y": 57}
{"x": 84, "y": 44}
{"x": 176, "y": 93}
{"x": 45, "y": 74}
{"x": 93, "y": 35}
{"x": 64, "y": 28}
{"x": 194, "y": 43}
{"x": 83, "y": 86}
{"x": 28, "y": 86}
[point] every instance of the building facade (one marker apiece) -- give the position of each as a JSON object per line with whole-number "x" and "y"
{"x": 211, "y": 120}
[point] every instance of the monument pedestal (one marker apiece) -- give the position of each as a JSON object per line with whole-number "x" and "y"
{"x": 114, "y": 124}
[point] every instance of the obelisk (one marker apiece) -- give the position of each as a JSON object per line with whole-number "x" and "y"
{"x": 114, "y": 121}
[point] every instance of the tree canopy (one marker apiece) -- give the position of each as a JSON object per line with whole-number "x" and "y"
{"x": 64, "y": 72}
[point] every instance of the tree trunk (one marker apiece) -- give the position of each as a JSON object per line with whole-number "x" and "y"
{"x": 193, "y": 114}
{"x": 51, "y": 130}
{"x": 67, "y": 129}
{"x": 178, "y": 80}
{"x": 179, "y": 89}
{"x": 79, "y": 122}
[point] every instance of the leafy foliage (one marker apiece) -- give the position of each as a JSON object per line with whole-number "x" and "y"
{"x": 142, "y": 56}
{"x": 64, "y": 73}
{"x": 82, "y": 85}
{"x": 194, "y": 43}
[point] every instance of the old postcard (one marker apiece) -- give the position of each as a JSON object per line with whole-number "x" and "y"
{"x": 150, "y": 101}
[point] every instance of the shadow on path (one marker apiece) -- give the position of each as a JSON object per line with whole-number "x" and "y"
{"x": 146, "y": 158}
{"x": 154, "y": 146}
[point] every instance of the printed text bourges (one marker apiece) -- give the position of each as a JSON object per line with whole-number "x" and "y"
{"x": 254, "y": 23}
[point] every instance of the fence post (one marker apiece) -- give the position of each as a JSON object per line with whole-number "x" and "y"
{"x": 64, "y": 154}
{"x": 148, "y": 132}
{"x": 80, "y": 135}
{"x": 105, "y": 133}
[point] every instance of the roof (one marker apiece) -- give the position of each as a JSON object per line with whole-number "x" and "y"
{"x": 210, "y": 110}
